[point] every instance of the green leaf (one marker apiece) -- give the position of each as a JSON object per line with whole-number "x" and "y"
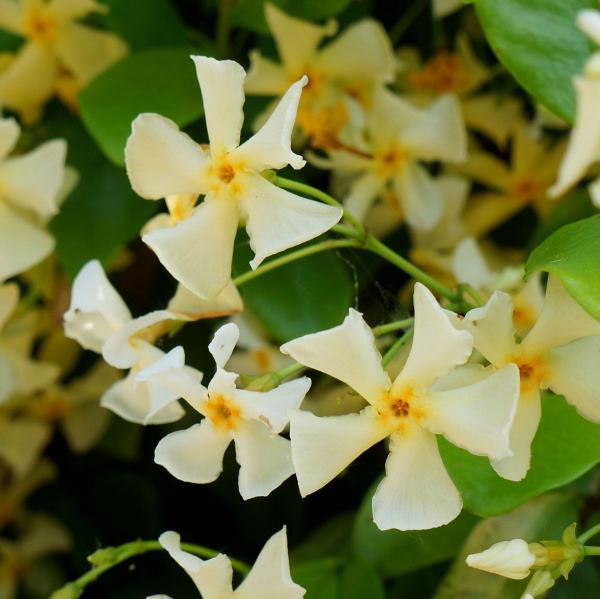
{"x": 564, "y": 448}
{"x": 309, "y": 295}
{"x": 359, "y": 580}
{"x": 572, "y": 254}
{"x": 102, "y": 214}
{"x": 395, "y": 552}
{"x": 154, "y": 24}
{"x": 250, "y": 14}
{"x": 332, "y": 538}
{"x": 542, "y": 519}
{"x": 320, "y": 579}
{"x": 160, "y": 80}
{"x": 540, "y": 45}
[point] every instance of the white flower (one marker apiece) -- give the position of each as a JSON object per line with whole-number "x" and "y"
{"x": 269, "y": 578}
{"x": 252, "y": 420}
{"x": 511, "y": 559}
{"x": 560, "y": 353}
{"x": 162, "y": 161}
{"x": 472, "y": 407}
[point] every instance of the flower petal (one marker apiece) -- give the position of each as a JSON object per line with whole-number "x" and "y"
{"x": 222, "y": 86}
{"x": 194, "y": 455}
{"x": 573, "y": 370}
{"x": 198, "y": 251}
{"x": 161, "y": 160}
{"x": 362, "y": 194}
{"x": 272, "y": 408}
{"x": 189, "y": 305}
{"x": 278, "y": 220}
{"x": 265, "y": 459}
{"x": 223, "y": 343}
{"x": 525, "y": 424}
{"x": 75, "y": 9}
{"x": 417, "y": 492}
{"x": 323, "y": 447}
{"x": 477, "y": 417}
{"x": 34, "y": 180}
{"x": 265, "y": 77}
{"x": 437, "y": 347}
{"x": 346, "y": 352}
{"x": 270, "y": 147}
{"x": 9, "y": 136}
{"x": 270, "y": 576}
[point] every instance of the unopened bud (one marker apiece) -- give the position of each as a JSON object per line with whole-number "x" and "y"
{"x": 511, "y": 559}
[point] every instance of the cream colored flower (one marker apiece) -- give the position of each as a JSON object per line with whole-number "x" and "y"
{"x": 57, "y": 47}
{"x": 511, "y": 559}
{"x": 162, "y": 161}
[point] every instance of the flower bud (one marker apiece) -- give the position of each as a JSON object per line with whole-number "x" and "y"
{"x": 511, "y": 559}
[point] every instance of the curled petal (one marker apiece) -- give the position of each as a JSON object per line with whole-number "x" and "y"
{"x": 223, "y": 343}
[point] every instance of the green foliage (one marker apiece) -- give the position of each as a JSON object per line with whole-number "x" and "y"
{"x": 394, "y": 552}
{"x": 250, "y": 14}
{"x": 306, "y": 296}
{"x": 102, "y": 214}
{"x": 359, "y": 580}
{"x": 160, "y": 80}
{"x": 320, "y": 579}
{"x": 544, "y": 518}
{"x": 571, "y": 253}
{"x": 564, "y": 448}
{"x": 540, "y": 45}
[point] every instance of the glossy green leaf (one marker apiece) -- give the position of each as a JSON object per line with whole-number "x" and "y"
{"x": 160, "y": 80}
{"x": 542, "y": 519}
{"x": 250, "y": 14}
{"x": 305, "y": 296}
{"x": 394, "y": 552}
{"x": 102, "y": 214}
{"x": 155, "y": 24}
{"x": 320, "y": 579}
{"x": 571, "y": 253}
{"x": 565, "y": 447}
{"x": 360, "y": 580}
{"x": 332, "y": 538}
{"x": 540, "y": 45}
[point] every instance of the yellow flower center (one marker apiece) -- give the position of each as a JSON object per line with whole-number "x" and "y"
{"x": 262, "y": 359}
{"x": 224, "y": 414}
{"x": 442, "y": 73}
{"x": 322, "y": 124}
{"x": 224, "y": 180}
{"x": 527, "y": 189}
{"x": 39, "y": 26}
{"x": 531, "y": 371}
{"x": 400, "y": 410}
{"x": 390, "y": 161}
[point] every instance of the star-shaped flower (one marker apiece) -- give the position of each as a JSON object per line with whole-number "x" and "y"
{"x": 162, "y": 161}
{"x": 472, "y": 407}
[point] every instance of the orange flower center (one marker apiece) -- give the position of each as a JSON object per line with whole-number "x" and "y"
{"x": 39, "y": 26}
{"x": 527, "y": 189}
{"x": 442, "y": 73}
{"x": 223, "y": 413}
{"x": 390, "y": 161}
{"x": 322, "y": 124}
{"x": 531, "y": 372}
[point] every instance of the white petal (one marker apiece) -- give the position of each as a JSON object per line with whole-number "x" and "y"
{"x": 161, "y": 160}
{"x": 296, "y": 40}
{"x": 265, "y": 77}
{"x": 198, "y": 251}
{"x": 270, "y": 576}
{"x": 511, "y": 559}
{"x": 9, "y": 136}
{"x": 584, "y": 144}
{"x": 86, "y": 52}
{"x": 270, "y": 147}
{"x": 417, "y": 492}
{"x": 588, "y": 20}
{"x": 492, "y": 328}
{"x": 323, "y": 447}
{"x": 362, "y": 194}
{"x": 222, "y": 86}
{"x": 22, "y": 244}
{"x": 189, "y": 305}
{"x": 469, "y": 264}
{"x": 561, "y": 320}
{"x": 478, "y": 417}
{"x": 11, "y": 16}
{"x": 120, "y": 350}
{"x": 573, "y": 370}
{"x": 527, "y": 419}
{"x": 362, "y": 53}
{"x": 33, "y": 180}
{"x": 223, "y": 343}
{"x": 265, "y": 459}
{"x": 272, "y": 408}
{"x": 437, "y": 347}
{"x": 347, "y": 353}
{"x": 194, "y": 455}
{"x": 421, "y": 199}
{"x": 278, "y": 219}
{"x": 96, "y": 309}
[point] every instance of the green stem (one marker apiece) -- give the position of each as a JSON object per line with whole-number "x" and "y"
{"x": 283, "y": 373}
{"x": 472, "y": 293}
{"x": 390, "y": 353}
{"x": 406, "y": 20}
{"x": 373, "y": 244}
{"x": 392, "y": 326}
{"x": 584, "y": 537}
{"x": 309, "y": 190}
{"x": 328, "y": 244}
{"x": 223, "y": 27}
{"x": 109, "y": 557}
{"x": 591, "y": 551}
